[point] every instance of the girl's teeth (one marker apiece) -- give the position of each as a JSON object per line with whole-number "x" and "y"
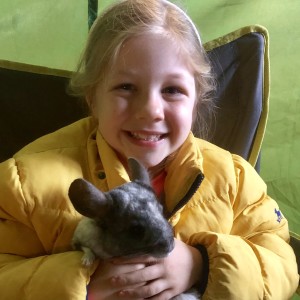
{"x": 144, "y": 137}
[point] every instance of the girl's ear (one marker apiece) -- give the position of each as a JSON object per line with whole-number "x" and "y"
{"x": 91, "y": 102}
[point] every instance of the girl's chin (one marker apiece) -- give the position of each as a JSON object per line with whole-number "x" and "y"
{"x": 148, "y": 162}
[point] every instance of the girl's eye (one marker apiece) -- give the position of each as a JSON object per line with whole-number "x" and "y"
{"x": 173, "y": 90}
{"x": 125, "y": 87}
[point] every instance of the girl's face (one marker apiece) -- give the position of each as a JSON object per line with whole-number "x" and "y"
{"x": 145, "y": 104}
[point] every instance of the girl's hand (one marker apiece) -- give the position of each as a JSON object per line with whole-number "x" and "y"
{"x": 160, "y": 278}
{"x": 101, "y": 285}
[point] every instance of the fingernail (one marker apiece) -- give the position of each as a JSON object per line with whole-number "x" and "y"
{"x": 116, "y": 281}
{"x": 124, "y": 293}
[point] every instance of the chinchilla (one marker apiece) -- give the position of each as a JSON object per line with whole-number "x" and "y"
{"x": 125, "y": 221}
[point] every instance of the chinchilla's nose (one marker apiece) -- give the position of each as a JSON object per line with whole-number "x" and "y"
{"x": 164, "y": 246}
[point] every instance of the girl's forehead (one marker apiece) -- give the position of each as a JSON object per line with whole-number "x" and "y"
{"x": 151, "y": 47}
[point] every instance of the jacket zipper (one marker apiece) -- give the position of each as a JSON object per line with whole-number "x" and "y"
{"x": 192, "y": 190}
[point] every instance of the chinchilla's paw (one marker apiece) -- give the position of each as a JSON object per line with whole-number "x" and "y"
{"x": 88, "y": 257}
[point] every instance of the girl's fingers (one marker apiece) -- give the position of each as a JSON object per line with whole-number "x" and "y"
{"x": 141, "y": 276}
{"x": 153, "y": 290}
{"x": 145, "y": 259}
{"x": 107, "y": 269}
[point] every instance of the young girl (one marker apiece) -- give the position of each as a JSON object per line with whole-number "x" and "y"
{"x": 144, "y": 74}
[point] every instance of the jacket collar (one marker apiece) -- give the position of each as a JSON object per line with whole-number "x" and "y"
{"x": 116, "y": 173}
{"x": 184, "y": 174}
{"x": 184, "y": 171}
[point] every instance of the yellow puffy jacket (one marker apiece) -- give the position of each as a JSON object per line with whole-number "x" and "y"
{"x": 228, "y": 212}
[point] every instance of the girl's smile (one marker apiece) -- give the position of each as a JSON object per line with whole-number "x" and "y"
{"x": 147, "y": 137}
{"x": 145, "y": 104}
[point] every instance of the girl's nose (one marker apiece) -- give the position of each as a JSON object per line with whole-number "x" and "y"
{"x": 150, "y": 107}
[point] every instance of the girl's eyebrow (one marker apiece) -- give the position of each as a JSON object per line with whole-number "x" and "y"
{"x": 131, "y": 72}
{"x": 176, "y": 75}
{"x": 180, "y": 76}
{"x": 125, "y": 72}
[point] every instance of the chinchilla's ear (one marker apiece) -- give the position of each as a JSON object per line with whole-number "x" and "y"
{"x": 87, "y": 199}
{"x": 138, "y": 171}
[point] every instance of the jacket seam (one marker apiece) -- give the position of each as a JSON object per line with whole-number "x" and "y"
{"x": 26, "y": 206}
{"x": 22, "y": 154}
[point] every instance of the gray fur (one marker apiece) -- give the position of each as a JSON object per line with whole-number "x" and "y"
{"x": 126, "y": 221}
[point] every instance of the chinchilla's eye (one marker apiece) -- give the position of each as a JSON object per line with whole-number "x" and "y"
{"x": 102, "y": 225}
{"x": 137, "y": 231}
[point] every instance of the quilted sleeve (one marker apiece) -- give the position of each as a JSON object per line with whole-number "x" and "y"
{"x": 253, "y": 260}
{"x": 27, "y": 269}
{"x": 56, "y": 276}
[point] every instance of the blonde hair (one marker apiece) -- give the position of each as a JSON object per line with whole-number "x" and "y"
{"x": 131, "y": 18}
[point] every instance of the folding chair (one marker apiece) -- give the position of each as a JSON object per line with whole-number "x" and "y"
{"x": 240, "y": 62}
{"x": 33, "y": 102}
